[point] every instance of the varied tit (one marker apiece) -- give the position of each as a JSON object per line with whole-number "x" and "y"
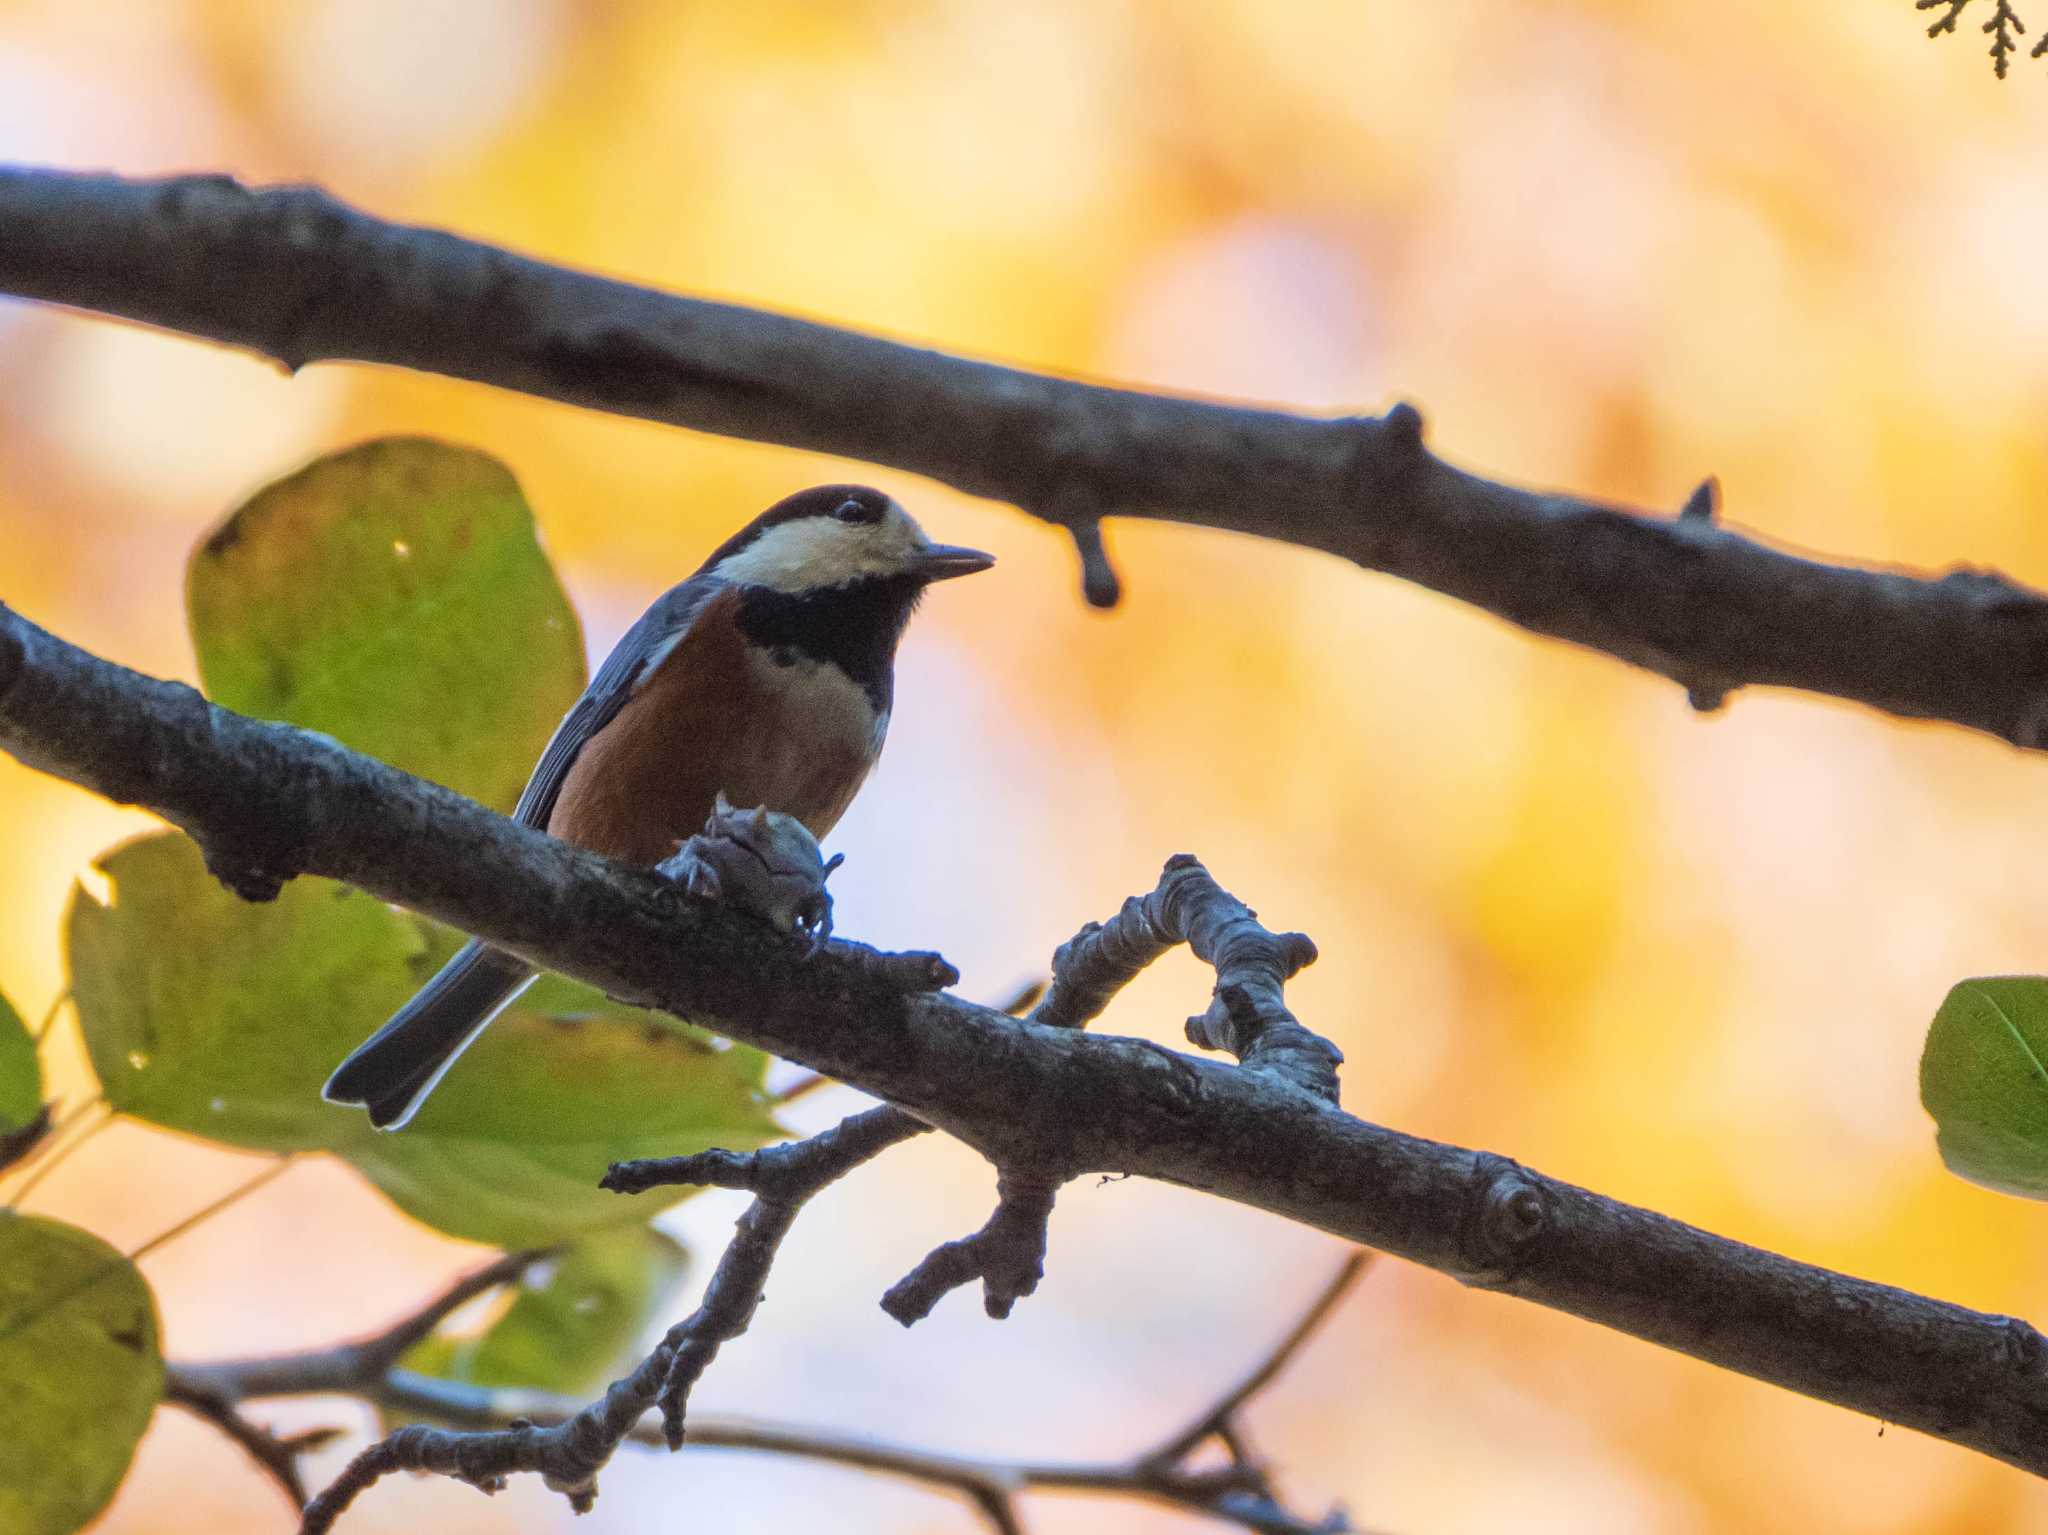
{"x": 766, "y": 677}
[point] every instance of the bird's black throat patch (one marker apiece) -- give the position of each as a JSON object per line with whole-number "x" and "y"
{"x": 854, "y": 627}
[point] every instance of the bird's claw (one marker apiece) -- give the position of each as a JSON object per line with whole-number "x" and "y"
{"x": 763, "y": 862}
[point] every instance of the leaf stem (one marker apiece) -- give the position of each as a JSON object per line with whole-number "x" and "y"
{"x": 57, "y": 1151}
{"x": 206, "y": 1212}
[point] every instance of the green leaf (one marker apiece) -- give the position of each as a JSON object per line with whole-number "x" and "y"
{"x": 83, "y": 1369}
{"x": 21, "y": 1074}
{"x": 1984, "y": 1078}
{"x": 510, "y": 1147}
{"x": 206, "y": 1014}
{"x": 394, "y": 596}
{"x": 572, "y": 1324}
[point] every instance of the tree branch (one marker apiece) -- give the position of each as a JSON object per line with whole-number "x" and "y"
{"x": 569, "y": 1454}
{"x": 1023, "y": 1094}
{"x": 277, "y": 1458}
{"x": 345, "y": 1366}
{"x": 294, "y": 275}
{"x": 1247, "y": 1016}
{"x": 1240, "y": 1493}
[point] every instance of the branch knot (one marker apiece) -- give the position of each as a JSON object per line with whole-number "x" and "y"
{"x": 1507, "y": 1220}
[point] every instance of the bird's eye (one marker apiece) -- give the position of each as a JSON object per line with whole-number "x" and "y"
{"x": 853, "y": 509}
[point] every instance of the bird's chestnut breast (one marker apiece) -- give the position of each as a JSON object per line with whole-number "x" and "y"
{"x": 718, "y": 714}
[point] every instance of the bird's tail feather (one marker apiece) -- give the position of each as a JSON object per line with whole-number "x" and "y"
{"x": 392, "y": 1071}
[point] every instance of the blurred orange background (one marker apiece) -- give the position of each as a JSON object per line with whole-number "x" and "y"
{"x": 1687, "y": 961}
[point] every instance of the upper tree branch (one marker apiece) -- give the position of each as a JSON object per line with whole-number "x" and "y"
{"x": 295, "y": 275}
{"x": 1022, "y": 1093}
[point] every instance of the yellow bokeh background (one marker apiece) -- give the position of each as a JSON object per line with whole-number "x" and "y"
{"x": 1684, "y": 960}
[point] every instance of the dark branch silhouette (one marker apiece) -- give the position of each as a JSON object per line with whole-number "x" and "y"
{"x": 2004, "y": 28}
{"x": 1241, "y": 1492}
{"x": 294, "y": 275}
{"x": 268, "y": 801}
{"x": 569, "y": 1454}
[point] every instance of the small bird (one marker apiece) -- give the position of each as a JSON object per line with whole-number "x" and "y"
{"x": 767, "y": 677}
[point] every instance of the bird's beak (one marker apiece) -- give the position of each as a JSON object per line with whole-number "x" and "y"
{"x": 942, "y": 562}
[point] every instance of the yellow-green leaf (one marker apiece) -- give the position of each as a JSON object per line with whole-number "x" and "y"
{"x": 206, "y": 1014}
{"x": 572, "y": 1323}
{"x": 394, "y": 596}
{"x": 82, "y": 1371}
{"x": 21, "y": 1074}
{"x": 1984, "y": 1078}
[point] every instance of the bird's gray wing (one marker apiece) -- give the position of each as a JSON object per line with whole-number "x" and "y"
{"x": 642, "y": 646}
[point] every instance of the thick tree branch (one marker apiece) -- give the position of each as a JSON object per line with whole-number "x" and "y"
{"x": 294, "y": 275}
{"x": 1022, "y": 1093}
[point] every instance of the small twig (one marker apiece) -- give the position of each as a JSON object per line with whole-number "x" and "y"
{"x": 1100, "y": 584}
{"x": 50, "y": 1017}
{"x": 346, "y": 1366}
{"x": 1946, "y": 23}
{"x": 803, "y": 1087}
{"x": 1080, "y": 508}
{"x": 909, "y": 972}
{"x": 2003, "y": 27}
{"x": 1221, "y": 1414}
{"x": 1026, "y": 996}
{"x": 1089, "y": 969}
{"x": 1007, "y": 1255}
{"x": 56, "y": 1150}
{"x": 569, "y": 1455}
{"x": 782, "y": 1179}
{"x": 1239, "y": 1494}
{"x": 277, "y": 1458}
{"x": 207, "y": 1211}
{"x": 1247, "y": 1014}
{"x": 215, "y": 1390}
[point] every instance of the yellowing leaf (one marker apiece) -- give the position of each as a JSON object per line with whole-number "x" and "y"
{"x": 21, "y": 1074}
{"x": 571, "y": 1323}
{"x": 207, "y": 1014}
{"x": 83, "y": 1371}
{"x": 395, "y": 597}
